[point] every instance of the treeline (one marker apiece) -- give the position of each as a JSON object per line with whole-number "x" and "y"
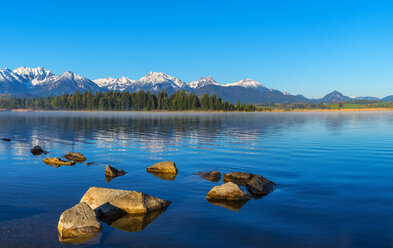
{"x": 125, "y": 101}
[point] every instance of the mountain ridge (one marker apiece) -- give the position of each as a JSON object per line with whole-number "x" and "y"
{"x": 26, "y": 81}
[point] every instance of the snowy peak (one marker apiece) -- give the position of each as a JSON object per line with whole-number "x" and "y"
{"x": 202, "y": 82}
{"x": 116, "y": 84}
{"x": 35, "y": 76}
{"x": 7, "y": 75}
{"x": 246, "y": 83}
{"x": 335, "y": 96}
{"x": 154, "y": 78}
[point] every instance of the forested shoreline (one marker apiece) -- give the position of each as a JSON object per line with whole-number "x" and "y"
{"x": 125, "y": 101}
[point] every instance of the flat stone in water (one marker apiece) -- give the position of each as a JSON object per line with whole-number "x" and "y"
{"x": 57, "y": 162}
{"x": 227, "y": 191}
{"x": 163, "y": 167}
{"x": 75, "y": 156}
{"x": 259, "y": 186}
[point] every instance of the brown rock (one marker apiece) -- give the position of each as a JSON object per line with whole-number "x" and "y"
{"x": 37, "y": 150}
{"x": 227, "y": 191}
{"x": 96, "y": 196}
{"x": 133, "y": 203}
{"x": 78, "y": 221}
{"x": 213, "y": 176}
{"x": 57, "y": 162}
{"x": 75, "y": 156}
{"x": 240, "y": 178}
{"x": 260, "y": 186}
{"x": 163, "y": 167}
{"x": 113, "y": 172}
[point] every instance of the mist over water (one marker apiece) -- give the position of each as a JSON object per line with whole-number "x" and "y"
{"x": 333, "y": 172}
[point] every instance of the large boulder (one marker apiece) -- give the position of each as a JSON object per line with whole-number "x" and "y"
{"x": 240, "y": 178}
{"x": 96, "y": 196}
{"x": 109, "y": 202}
{"x": 260, "y": 186}
{"x": 75, "y": 156}
{"x": 227, "y": 191}
{"x": 133, "y": 203}
{"x": 163, "y": 167}
{"x": 57, "y": 162}
{"x": 213, "y": 176}
{"x": 37, "y": 150}
{"x": 77, "y": 221}
{"x": 113, "y": 172}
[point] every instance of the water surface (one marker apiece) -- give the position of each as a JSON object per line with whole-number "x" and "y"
{"x": 333, "y": 170}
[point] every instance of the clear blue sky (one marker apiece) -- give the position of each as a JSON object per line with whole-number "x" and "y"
{"x": 308, "y": 47}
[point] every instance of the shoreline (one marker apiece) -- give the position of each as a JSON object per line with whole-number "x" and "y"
{"x": 201, "y": 111}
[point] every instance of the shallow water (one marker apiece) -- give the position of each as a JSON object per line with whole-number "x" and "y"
{"x": 333, "y": 170}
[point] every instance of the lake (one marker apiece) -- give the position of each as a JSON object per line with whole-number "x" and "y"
{"x": 333, "y": 170}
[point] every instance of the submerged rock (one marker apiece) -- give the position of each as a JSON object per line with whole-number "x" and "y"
{"x": 163, "y": 167}
{"x": 78, "y": 221}
{"x": 213, "y": 176}
{"x": 240, "y": 178}
{"x": 259, "y": 186}
{"x": 113, "y": 172}
{"x": 227, "y": 191}
{"x": 6, "y": 139}
{"x": 37, "y": 150}
{"x": 134, "y": 223}
{"x": 90, "y": 163}
{"x": 75, "y": 156}
{"x": 231, "y": 205}
{"x": 57, "y": 162}
{"x": 165, "y": 176}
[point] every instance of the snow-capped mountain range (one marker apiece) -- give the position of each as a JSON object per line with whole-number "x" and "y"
{"x": 33, "y": 82}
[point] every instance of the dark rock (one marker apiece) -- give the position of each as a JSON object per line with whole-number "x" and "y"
{"x": 5, "y": 139}
{"x": 259, "y": 186}
{"x": 90, "y": 163}
{"x": 37, "y": 150}
{"x": 213, "y": 176}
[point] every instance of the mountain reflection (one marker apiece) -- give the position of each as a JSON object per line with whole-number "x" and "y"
{"x": 155, "y": 132}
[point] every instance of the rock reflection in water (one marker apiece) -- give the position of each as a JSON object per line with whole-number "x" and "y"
{"x": 164, "y": 176}
{"x": 231, "y": 205}
{"x": 91, "y": 238}
{"x": 133, "y": 222}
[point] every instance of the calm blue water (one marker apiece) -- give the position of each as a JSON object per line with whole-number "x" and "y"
{"x": 334, "y": 173}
